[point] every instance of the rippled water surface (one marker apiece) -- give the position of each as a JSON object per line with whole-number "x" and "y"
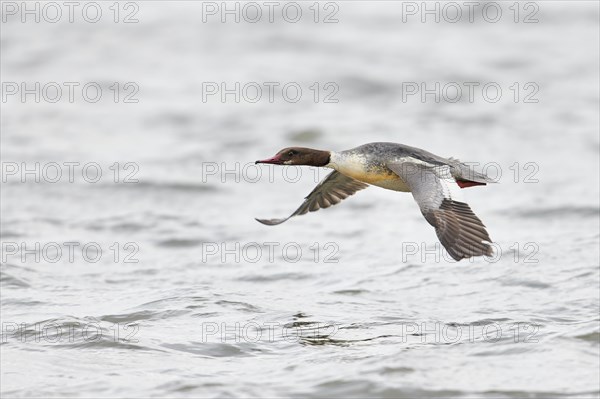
{"x": 191, "y": 297}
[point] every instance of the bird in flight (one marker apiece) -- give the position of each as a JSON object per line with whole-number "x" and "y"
{"x": 432, "y": 180}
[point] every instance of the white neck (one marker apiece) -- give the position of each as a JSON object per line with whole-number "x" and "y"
{"x": 335, "y": 160}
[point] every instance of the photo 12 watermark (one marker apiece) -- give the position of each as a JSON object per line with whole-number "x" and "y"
{"x": 68, "y": 252}
{"x": 524, "y": 12}
{"x": 252, "y": 332}
{"x": 492, "y": 172}
{"x": 269, "y": 92}
{"x": 250, "y": 172}
{"x": 451, "y": 333}
{"x": 470, "y": 92}
{"x": 326, "y": 12}
{"x": 69, "y": 172}
{"x": 53, "y": 12}
{"x": 71, "y": 92}
{"x": 55, "y": 333}
{"x": 269, "y": 252}
{"x": 525, "y": 253}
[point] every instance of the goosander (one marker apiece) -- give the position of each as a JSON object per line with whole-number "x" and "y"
{"x": 432, "y": 180}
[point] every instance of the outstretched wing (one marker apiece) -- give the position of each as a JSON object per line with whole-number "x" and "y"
{"x": 332, "y": 190}
{"x": 459, "y": 230}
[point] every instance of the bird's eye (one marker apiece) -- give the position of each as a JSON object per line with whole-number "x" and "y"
{"x": 291, "y": 153}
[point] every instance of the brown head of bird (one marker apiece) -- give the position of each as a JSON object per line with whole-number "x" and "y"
{"x": 299, "y": 156}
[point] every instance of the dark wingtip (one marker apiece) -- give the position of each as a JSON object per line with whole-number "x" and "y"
{"x": 271, "y": 222}
{"x": 469, "y": 183}
{"x": 266, "y": 222}
{"x": 458, "y": 254}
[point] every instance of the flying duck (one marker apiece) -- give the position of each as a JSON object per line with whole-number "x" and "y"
{"x": 432, "y": 180}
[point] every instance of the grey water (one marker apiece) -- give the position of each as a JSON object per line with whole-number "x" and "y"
{"x": 132, "y": 265}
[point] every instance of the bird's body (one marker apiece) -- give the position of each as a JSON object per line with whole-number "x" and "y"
{"x": 433, "y": 181}
{"x": 367, "y": 169}
{"x": 369, "y": 163}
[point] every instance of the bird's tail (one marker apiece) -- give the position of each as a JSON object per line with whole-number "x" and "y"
{"x": 465, "y": 173}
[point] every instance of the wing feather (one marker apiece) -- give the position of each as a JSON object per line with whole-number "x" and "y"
{"x": 459, "y": 230}
{"x": 331, "y": 191}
